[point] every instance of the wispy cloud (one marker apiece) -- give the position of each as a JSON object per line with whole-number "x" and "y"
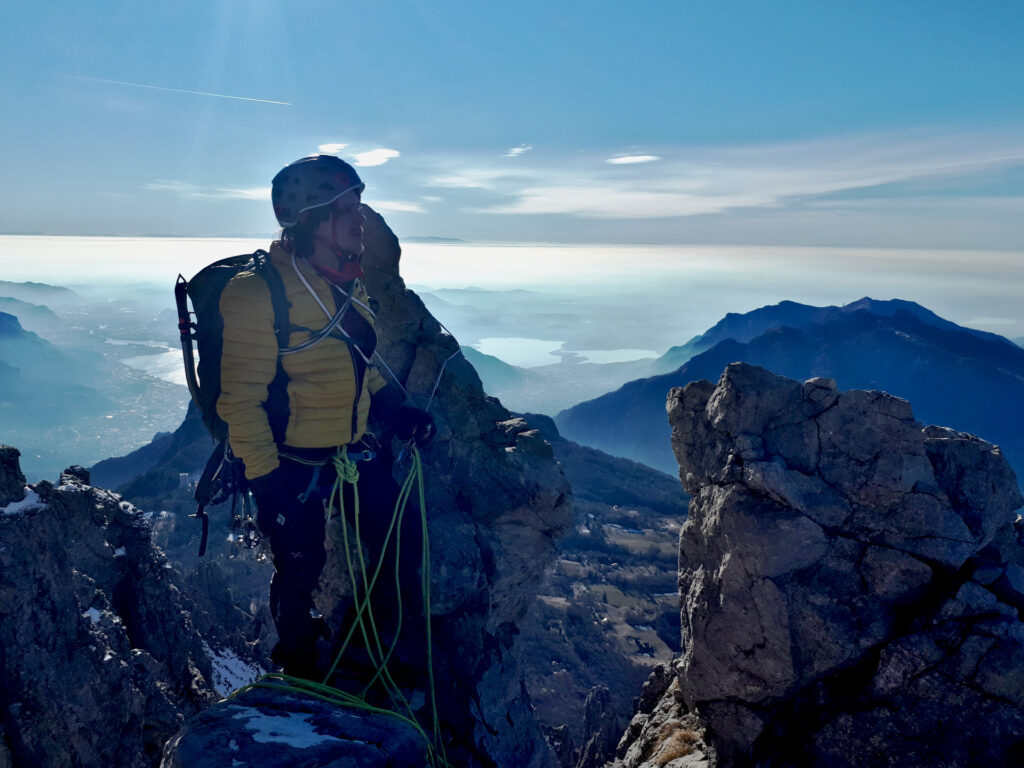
{"x": 396, "y": 206}
{"x": 191, "y": 191}
{"x": 517, "y": 151}
{"x": 179, "y": 90}
{"x": 690, "y": 181}
{"x": 375, "y": 156}
{"x": 468, "y": 178}
{"x": 331, "y": 149}
{"x": 632, "y": 159}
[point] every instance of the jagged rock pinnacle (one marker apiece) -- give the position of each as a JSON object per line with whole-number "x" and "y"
{"x": 851, "y": 582}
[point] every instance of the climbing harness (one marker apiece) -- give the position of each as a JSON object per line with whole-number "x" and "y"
{"x": 363, "y": 583}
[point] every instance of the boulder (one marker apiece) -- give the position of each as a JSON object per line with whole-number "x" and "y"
{"x": 268, "y": 726}
{"x": 849, "y": 579}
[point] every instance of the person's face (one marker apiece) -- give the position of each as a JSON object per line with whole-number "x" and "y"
{"x": 345, "y": 226}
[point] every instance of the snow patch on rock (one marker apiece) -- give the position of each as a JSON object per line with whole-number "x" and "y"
{"x": 229, "y": 671}
{"x": 293, "y": 729}
{"x": 29, "y": 503}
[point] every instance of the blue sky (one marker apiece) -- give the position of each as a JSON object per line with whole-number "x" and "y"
{"x": 888, "y": 124}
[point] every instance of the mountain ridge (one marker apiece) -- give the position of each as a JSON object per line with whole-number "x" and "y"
{"x": 914, "y": 354}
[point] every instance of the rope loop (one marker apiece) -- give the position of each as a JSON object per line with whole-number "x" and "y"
{"x": 347, "y": 470}
{"x": 363, "y": 580}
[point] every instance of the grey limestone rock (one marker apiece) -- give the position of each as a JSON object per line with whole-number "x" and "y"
{"x": 601, "y": 729}
{"x": 12, "y": 481}
{"x": 99, "y": 661}
{"x": 847, "y": 579}
{"x": 662, "y": 734}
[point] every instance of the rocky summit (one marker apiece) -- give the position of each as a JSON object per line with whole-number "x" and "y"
{"x": 851, "y": 582}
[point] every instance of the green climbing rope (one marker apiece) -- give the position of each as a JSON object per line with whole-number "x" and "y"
{"x": 364, "y": 622}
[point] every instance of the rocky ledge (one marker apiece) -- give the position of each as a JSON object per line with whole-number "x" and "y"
{"x": 852, "y": 586}
{"x": 99, "y": 660}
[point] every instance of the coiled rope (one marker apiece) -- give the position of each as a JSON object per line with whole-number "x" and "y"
{"x": 362, "y": 589}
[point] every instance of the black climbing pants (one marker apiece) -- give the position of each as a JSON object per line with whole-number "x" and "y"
{"x": 296, "y": 533}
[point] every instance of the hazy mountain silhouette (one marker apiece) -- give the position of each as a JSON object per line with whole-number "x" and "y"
{"x": 33, "y": 317}
{"x": 970, "y": 380}
{"x": 38, "y": 293}
{"x": 749, "y": 325}
{"x": 40, "y": 385}
{"x": 497, "y": 375}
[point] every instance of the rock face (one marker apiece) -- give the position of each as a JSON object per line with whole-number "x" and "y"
{"x": 99, "y": 661}
{"x": 12, "y": 481}
{"x": 496, "y": 503}
{"x": 851, "y": 583}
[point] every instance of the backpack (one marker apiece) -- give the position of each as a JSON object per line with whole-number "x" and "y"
{"x": 224, "y": 476}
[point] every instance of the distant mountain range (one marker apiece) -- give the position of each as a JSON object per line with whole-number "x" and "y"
{"x": 970, "y": 380}
{"x": 40, "y": 385}
{"x": 65, "y": 397}
{"x": 38, "y": 293}
{"x": 153, "y": 469}
{"x": 496, "y": 375}
{"x": 747, "y": 326}
{"x": 33, "y": 317}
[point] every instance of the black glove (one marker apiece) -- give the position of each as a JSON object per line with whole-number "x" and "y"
{"x": 412, "y": 423}
{"x": 407, "y": 422}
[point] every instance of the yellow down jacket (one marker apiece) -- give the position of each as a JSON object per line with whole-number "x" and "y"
{"x": 327, "y": 406}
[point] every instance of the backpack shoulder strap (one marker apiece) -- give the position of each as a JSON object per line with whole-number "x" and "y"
{"x": 278, "y": 297}
{"x": 277, "y": 405}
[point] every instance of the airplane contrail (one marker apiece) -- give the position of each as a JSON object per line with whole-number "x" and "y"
{"x": 180, "y": 90}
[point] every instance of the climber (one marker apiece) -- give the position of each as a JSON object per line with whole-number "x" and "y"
{"x": 333, "y": 390}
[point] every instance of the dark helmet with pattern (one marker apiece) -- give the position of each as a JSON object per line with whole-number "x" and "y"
{"x": 309, "y": 183}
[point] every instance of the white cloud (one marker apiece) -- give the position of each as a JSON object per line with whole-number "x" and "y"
{"x": 252, "y": 193}
{"x": 191, "y": 191}
{"x": 396, "y": 206}
{"x": 690, "y": 181}
{"x": 468, "y": 178}
{"x": 331, "y": 149}
{"x": 632, "y": 159}
{"x": 179, "y": 187}
{"x": 375, "y": 156}
{"x": 517, "y": 151}
{"x": 609, "y": 202}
